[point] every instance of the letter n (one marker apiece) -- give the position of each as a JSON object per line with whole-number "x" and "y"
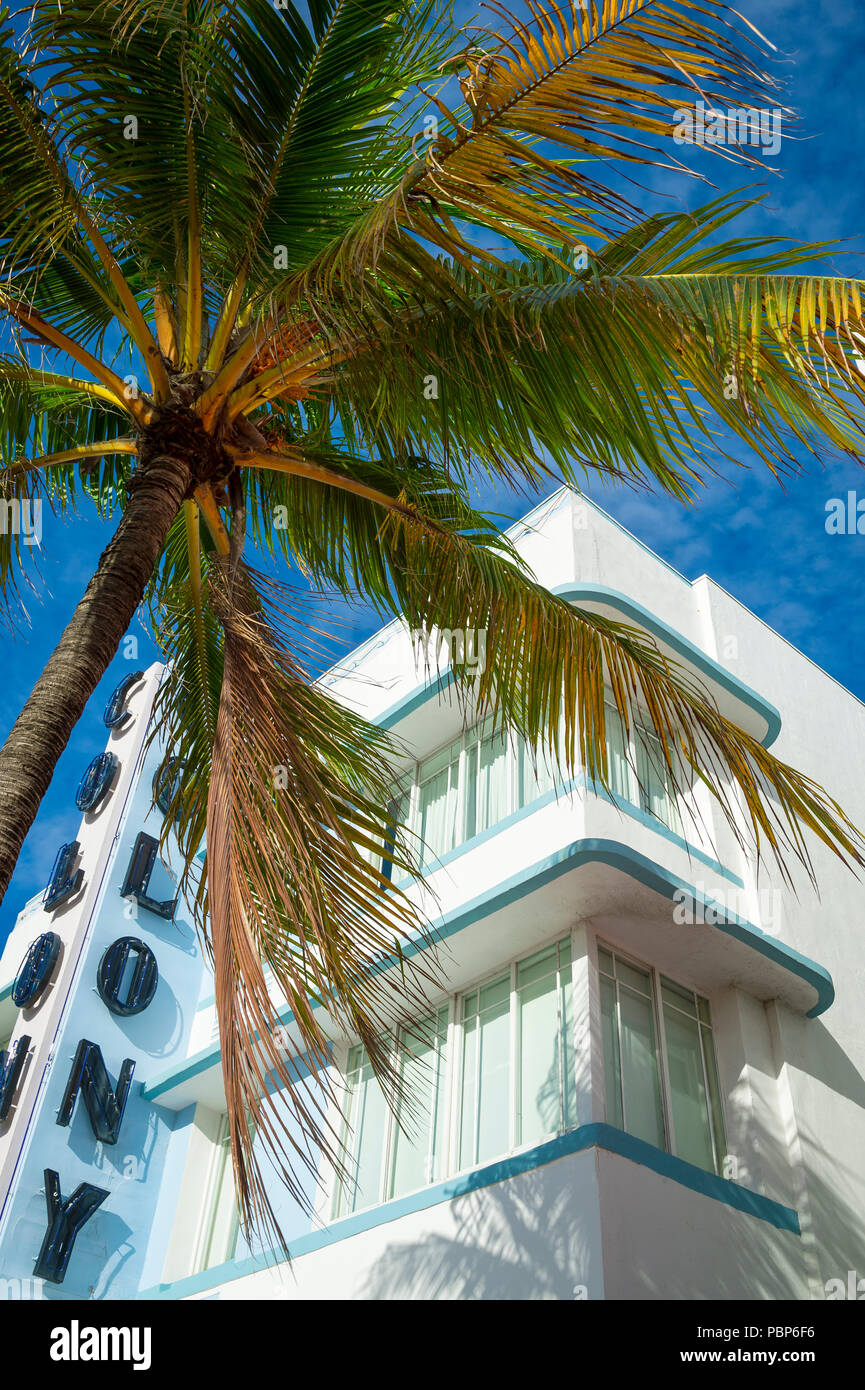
{"x": 65, "y": 1220}
{"x": 105, "y": 1106}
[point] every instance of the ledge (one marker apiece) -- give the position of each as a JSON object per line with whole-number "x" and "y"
{"x": 713, "y": 670}
{"x": 636, "y": 613}
{"x": 577, "y": 855}
{"x": 592, "y": 1136}
{"x": 575, "y": 784}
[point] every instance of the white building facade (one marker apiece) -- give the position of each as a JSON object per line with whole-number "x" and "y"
{"x": 644, "y": 1077}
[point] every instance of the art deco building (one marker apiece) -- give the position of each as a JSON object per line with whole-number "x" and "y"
{"x": 642, "y": 1079}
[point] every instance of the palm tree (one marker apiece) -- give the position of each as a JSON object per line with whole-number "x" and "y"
{"x": 254, "y": 277}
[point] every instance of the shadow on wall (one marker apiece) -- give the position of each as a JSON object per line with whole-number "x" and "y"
{"x": 534, "y": 1237}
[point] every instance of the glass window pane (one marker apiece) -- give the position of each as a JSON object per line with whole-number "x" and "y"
{"x": 605, "y": 961}
{"x": 440, "y": 1108}
{"x": 657, "y": 794}
{"x": 470, "y": 790}
{"x": 485, "y": 1110}
{"x": 536, "y": 967}
{"x": 431, "y": 766}
{"x": 714, "y": 1097}
{"x": 495, "y": 993}
{"x": 364, "y": 1136}
{"x": 688, "y": 1101}
{"x": 643, "y": 1113}
{"x": 566, "y": 1042}
{"x": 422, "y": 1070}
{"x": 539, "y": 1112}
{"x": 468, "y": 1093}
{"x": 617, "y": 754}
{"x": 495, "y": 1083}
{"x": 536, "y": 773}
{"x": 222, "y": 1224}
{"x": 633, "y": 977}
{"x": 703, "y": 1009}
{"x": 612, "y": 1059}
{"x": 399, "y": 808}
{"x": 678, "y": 997}
{"x": 492, "y": 782}
{"x": 437, "y": 803}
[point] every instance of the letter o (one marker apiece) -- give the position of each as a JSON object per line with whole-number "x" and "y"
{"x": 36, "y": 970}
{"x": 116, "y": 715}
{"x": 112, "y": 969}
{"x": 96, "y": 782}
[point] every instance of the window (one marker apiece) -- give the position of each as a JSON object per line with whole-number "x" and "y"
{"x": 657, "y": 795}
{"x": 471, "y": 785}
{"x": 486, "y": 1081}
{"x": 487, "y": 781}
{"x": 509, "y": 1063}
{"x": 419, "y": 1156}
{"x": 438, "y": 779}
{"x": 638, "y": 773}
{"x": 660, "y": 1072}
{"x": 481, "y": 778}
{"x": 218, "y": 1235}
{"x": 383, "y": 1160}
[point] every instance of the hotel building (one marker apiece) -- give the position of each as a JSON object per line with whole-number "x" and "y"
{"x": 644, "y": 1077}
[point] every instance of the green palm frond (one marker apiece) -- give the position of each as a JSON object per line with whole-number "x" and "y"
{"x": 62, "y": 421}
{"x": 439, "y": 566}
{"x": 666, "y": 342}
{"x": 596, "y": 81}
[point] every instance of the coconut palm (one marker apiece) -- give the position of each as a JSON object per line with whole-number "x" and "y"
{"x": 270, "y": 276}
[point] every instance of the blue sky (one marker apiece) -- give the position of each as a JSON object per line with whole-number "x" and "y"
{"x": 766, "y": 544}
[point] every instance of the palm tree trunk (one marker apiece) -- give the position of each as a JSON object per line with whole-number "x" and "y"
{"x": 42, "y": 730}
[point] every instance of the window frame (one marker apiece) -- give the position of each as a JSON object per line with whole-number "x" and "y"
{"x": 452, "y": 1103}
{"x": 637, "y": 793}
{"x": 656, "y": 977}
{"x": 218, "y": 1228}
{"x": 410, "y": 782}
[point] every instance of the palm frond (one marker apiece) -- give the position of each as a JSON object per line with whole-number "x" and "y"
{"x": 600, "y": 81}
{"x": 444, "y": 570}
{"x": 641, "y": 366}
{"x": 296, "y": 828}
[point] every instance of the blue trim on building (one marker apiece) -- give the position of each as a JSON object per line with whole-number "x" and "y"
{"x": 562, "y": 789}
{"x": 614, "y": 598}
{"x": 601, "y": 1136}
{"x": 637, "y": 866}
{"x": 581, "y": 784}
{"x": 590, "y": 851}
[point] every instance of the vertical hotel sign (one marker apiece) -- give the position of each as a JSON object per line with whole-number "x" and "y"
{"x": 125, "y": 983}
